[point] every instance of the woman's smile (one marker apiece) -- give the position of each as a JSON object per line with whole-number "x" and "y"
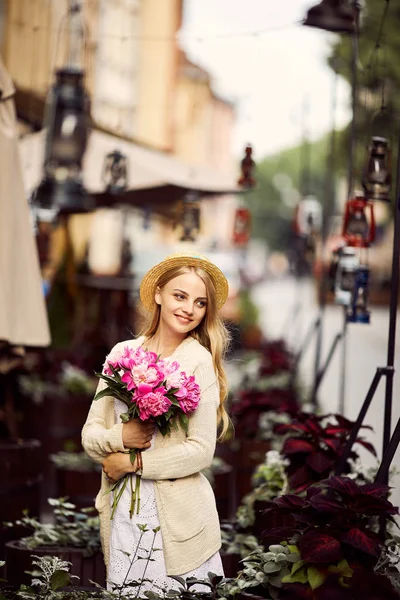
{"x": 183, "y": 320}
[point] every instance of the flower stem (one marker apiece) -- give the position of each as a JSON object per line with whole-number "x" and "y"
{"x": 130, "y": 566}
{"x": 150, "y": 552}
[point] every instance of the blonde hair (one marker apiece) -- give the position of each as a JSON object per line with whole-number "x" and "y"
{"x": 210, "y": 333}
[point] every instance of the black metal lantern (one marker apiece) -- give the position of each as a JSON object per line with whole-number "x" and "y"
{"x": 67, "y": 122}
{"x": 377, "y": 177}
{"x": 331, "y": 15}
{"x": 190, "y": 218}
{"x": 359, "y": 312}
{"x": 345, "y": 275}
{"x": 115, "y": 172}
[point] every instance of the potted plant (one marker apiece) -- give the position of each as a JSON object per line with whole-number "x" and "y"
{"x": 313, "y": 445}
{"x": 335, "y": 532}
{"x": 74, "y": 536}
{"x": 269, "y": 481}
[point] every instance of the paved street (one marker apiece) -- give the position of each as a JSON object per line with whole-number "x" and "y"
{"x": 366, "y": 349}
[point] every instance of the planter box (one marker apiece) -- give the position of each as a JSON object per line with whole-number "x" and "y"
{"x": 57, "y": 420}
{"x": 224, "y": 490}
{"x": 231, "y": 564}
{"x": 20, "y": 478}
{"x": 250, "y": 454}
{"x": 19, "y": 559}
{"x": 81, "y": 487}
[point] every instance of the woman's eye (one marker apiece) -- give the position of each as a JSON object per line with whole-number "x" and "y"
{"x": 201, "y": 304}
{"x": 179, "y": 296}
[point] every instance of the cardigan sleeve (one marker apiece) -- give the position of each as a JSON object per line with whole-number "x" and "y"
{"x": 197, "y": 450}
{"x": 98, "y": 440}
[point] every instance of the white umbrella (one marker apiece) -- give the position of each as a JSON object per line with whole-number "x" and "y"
{"x": 23, "y": 315}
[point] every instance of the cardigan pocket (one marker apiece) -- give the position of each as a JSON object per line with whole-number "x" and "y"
{"x": 187, "y": 504}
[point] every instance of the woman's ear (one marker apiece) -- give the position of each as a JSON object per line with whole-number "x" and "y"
{"x": 157, "y": 296}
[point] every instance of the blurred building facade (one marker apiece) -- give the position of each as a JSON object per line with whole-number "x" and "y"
{"x": 142, "y": 86}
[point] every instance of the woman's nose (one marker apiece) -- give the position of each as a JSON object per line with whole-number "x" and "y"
{"x": 189, "y": 308}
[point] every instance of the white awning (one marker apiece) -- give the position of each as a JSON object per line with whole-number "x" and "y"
{"x": 146, "y": 168}
{"x": 23, "y": 314}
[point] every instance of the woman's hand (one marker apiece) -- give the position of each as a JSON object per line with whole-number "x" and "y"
{"x": 117, "y": 465}
{"x": 136, "y": 434}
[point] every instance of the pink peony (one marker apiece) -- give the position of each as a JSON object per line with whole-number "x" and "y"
{"x": 188, "y": 394}
{"x": 152, "y": 404}
{"x": 143, "y": 373}
{"x": 172, "y": 375}
{"x": 117, "y": 359}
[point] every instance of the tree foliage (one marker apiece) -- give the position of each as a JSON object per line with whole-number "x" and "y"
{"x": 281, "y": 179}
{"x": 378, "y": 78}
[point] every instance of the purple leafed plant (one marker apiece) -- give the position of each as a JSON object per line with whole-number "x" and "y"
{"x": 338, "y": 519}
{"x": 314, "y": 447}
{"x": 253, "y": 403}
{"x": 364, "y": 584}
{"x": 275, "y": 358}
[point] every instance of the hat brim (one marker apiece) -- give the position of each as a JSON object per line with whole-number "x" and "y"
{"x": 150, "y": 280}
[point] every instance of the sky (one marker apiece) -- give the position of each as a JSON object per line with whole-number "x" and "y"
{"x": 275, "y": 71}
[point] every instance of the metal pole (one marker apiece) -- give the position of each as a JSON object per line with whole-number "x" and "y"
{"x": 394, "y": 294}
{"x": 361, "y": 415}
{"x": 350, "y": 178}
{"x": 328, "y": 208}
{"x": 389, "y": 444}
{"x": 343, "y": 361}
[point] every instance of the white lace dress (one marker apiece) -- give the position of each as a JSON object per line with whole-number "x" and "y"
{"x": 128, "y": 559}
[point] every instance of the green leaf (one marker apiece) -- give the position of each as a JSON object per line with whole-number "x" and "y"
{"x": 271, "y": 567}
{"x": 315, "y": 577}
{"x": 183, "y": 421}
{"x": 59, "y": 579}
{"x": 103, "y": 393}
{"x": 178, "y": 579}
{"x": 343, "y": 568}
{"x": 299, "y": 577}
{"x": 297, "y": 565}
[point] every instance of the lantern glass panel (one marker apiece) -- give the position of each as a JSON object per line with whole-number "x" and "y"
{"x": 347, "y": 279}
{"x": 377, "y": 172}
{"x": 358, "y": 224}
{"x": 67, "y": 120}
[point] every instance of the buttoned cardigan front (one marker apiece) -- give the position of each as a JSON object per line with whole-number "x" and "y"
{"x": 185, "y": 500}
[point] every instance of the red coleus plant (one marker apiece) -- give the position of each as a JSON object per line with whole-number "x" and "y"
{"x": 275, "y": 358}
{"x": 338, "y": 519}
{"x": 314, "y": 446}
{"x": 252, "y": 404}
{"x": 364, "y": 584}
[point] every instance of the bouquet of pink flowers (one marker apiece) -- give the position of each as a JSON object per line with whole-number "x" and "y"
{"x": 151, "y": 388}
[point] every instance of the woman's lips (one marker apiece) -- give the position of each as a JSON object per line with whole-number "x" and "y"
{"x": 183, "y": 320}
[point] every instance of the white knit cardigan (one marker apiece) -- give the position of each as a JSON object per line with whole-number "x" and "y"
{"x": 185, "y": 500}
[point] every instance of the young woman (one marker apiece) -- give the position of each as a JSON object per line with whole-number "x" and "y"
{"x": 182, "y": 295}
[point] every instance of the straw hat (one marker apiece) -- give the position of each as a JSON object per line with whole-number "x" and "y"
{"x": 183, "y": 259}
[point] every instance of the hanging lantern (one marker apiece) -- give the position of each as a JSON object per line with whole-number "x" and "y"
{"x": 331, "y": 15}
{"x": 347, "y": 266}
{"x": 359, "y": 312}
{"x": 115, "y": 172}
{"x": 358, "y": 230}
{"x": 308, "y": 216}
{"x": 190, "y": 217}
{"x": 67, "y": 120}
{"x": 247, "y": 165}
{"x": 241, "y": 226}
{"x": 377, "y": 177}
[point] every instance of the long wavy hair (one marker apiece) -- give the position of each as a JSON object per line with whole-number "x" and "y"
{"x": 210, "y": 333}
